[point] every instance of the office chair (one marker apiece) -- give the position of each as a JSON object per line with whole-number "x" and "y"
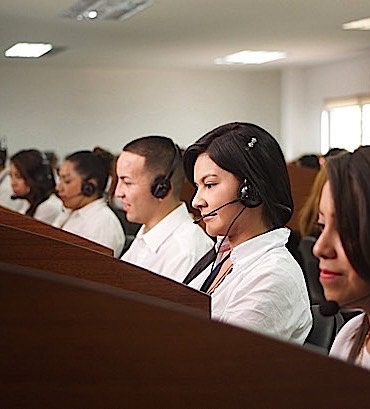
{"x": 310, "y": 267}
{"x": 324, "y": 330}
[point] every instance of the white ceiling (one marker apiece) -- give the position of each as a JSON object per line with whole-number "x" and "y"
{"x": 189, "y": 34}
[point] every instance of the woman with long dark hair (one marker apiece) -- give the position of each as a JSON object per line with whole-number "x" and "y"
{"x": 243, "y": 194}
{"x": 343, "y": 249}
{"x": 32, "y": 179}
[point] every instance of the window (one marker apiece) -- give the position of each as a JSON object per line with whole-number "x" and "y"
{"x": 345, "y": 123}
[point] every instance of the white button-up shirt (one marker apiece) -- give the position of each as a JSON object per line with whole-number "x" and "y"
{"x": 171, "y": 247}
{"x": 95, "y": 222}
{"x": 266, "y": 290}
{"x": 47, "y": 211}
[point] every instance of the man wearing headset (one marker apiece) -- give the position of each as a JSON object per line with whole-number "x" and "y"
{"x": 150, "y": 181}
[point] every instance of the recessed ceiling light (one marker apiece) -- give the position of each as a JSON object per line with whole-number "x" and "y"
{"x": 28, "y": 50}
{"x": 363, "y": 24}
{"x": 105, "y": 9}
{"x": 251, "y": 57}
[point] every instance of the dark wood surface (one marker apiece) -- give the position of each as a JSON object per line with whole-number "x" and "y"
{"x": 301, "y": 180}
{"x": 69, "y": 344}
{"x": 23, "y": 248}
{"x": 10, "y": 218}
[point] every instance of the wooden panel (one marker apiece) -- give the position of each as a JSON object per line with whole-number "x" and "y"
{"x": 67, "y": 344}
{"x": 10, "y": 218}
{"x": 26, "y": 249}
{"x": 301, "y": 180}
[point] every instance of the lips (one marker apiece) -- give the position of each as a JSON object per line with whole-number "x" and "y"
{"x": 329, "y": 275}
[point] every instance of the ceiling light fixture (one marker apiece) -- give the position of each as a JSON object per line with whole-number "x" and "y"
{"x": 363, "y": 24}
{"x": 105, "y": 9}
{"x": 251, "y": 57}
{"x": 28, "y": 50}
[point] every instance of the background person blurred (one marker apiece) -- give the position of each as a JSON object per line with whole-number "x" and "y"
{"x": 82, "y": 182}
{"x": 6, "y": 190}
{"x": 150, "y": 181}
{"x": 32, "y": 181}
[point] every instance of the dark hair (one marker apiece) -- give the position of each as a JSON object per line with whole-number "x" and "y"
{"x": 90, "y": 166}
{"x": 334, "y": 152}
{"x": 160, "y": 154}
{"x": 35, "y": 169}
{"x": 309, "y": 161}
{"x": 263, "y": 164}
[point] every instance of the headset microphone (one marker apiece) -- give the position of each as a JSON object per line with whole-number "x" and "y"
{"x": 330, "y": 308}
{"x": 214, "y": 211}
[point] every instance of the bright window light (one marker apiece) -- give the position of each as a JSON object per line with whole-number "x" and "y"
{"x": 251, "y": 57}
{"x": 28, "y": 50}
{"x": 363, "y": 24}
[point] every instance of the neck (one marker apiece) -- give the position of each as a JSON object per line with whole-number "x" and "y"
{"x": 163, "y": 210}
{"x": 255, "y": 227}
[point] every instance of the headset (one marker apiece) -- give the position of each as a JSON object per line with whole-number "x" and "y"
{"x": 248, "y": 195}
{"x": 88, "y": 188}
{"x": 162, "y": 183}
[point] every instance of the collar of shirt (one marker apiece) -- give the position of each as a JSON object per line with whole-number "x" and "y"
{"x": 87, "y": 210}
{"x": 160, "y": 232}
{"x": 259, "y": 245}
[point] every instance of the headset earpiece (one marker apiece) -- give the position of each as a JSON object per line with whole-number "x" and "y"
{"x": 162, "y": 184}
{"x": 160, "y": 187}
{"x": 88, "y": 188}
{"x": 248, "y": 195}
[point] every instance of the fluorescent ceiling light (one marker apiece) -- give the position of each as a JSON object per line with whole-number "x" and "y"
{"x": 363, "y": 24}
{"x": 105, "y": 9}
{"x": 251, "y": 57}
{"x": 28, "y": 50}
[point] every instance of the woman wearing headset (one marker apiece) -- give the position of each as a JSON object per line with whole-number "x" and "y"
{"x": 243, "y": 194}
{"x": 32, "y": 180}
{"x": 82, "y": 181}
{"x": 343, "y": 250}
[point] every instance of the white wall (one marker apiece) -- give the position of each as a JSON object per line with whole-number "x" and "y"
{"x": 303, "y": 92}
{"x": 67, "y": 110}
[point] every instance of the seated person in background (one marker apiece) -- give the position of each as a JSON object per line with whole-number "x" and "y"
{"x": 150, "y": 180}
{"x": 6, "y": 190}
{"x": 32, "y": 179}
{"x": 83, "y": 178}
{"x": 243, "y": 194}
{"x": 343, "y": 249}
{"x": 330, "y": 153}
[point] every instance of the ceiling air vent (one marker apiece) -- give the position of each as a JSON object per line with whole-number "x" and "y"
{"x": 105, "y": 9}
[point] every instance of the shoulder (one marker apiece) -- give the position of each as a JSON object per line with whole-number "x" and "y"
{"x": 343, "y": 341}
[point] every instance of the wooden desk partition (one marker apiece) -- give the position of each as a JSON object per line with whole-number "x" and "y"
{"x": 10, "y": 218}
{"x": 70, "y": 344}
{"x": 23, "y": 248}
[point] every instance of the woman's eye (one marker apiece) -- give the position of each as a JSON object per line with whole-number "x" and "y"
{"x": 209, "y": 185}
{"x": 320, "y": 226}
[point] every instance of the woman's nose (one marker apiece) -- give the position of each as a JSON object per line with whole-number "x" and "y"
{"x": 197, "y": 201}
{"x": 324, "y": 246}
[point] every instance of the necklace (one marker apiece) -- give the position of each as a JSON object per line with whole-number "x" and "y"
{"x": 363, "y": 347}
{"x": 220, "y": 280}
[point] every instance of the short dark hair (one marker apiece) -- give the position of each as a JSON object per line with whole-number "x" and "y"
{"x": 160, "y": 153}
{"x": 90, "y": 166}
{"x": 348, "y": 175}
{"x": 263, "y": 165}
{"x": 35, "y": 169}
